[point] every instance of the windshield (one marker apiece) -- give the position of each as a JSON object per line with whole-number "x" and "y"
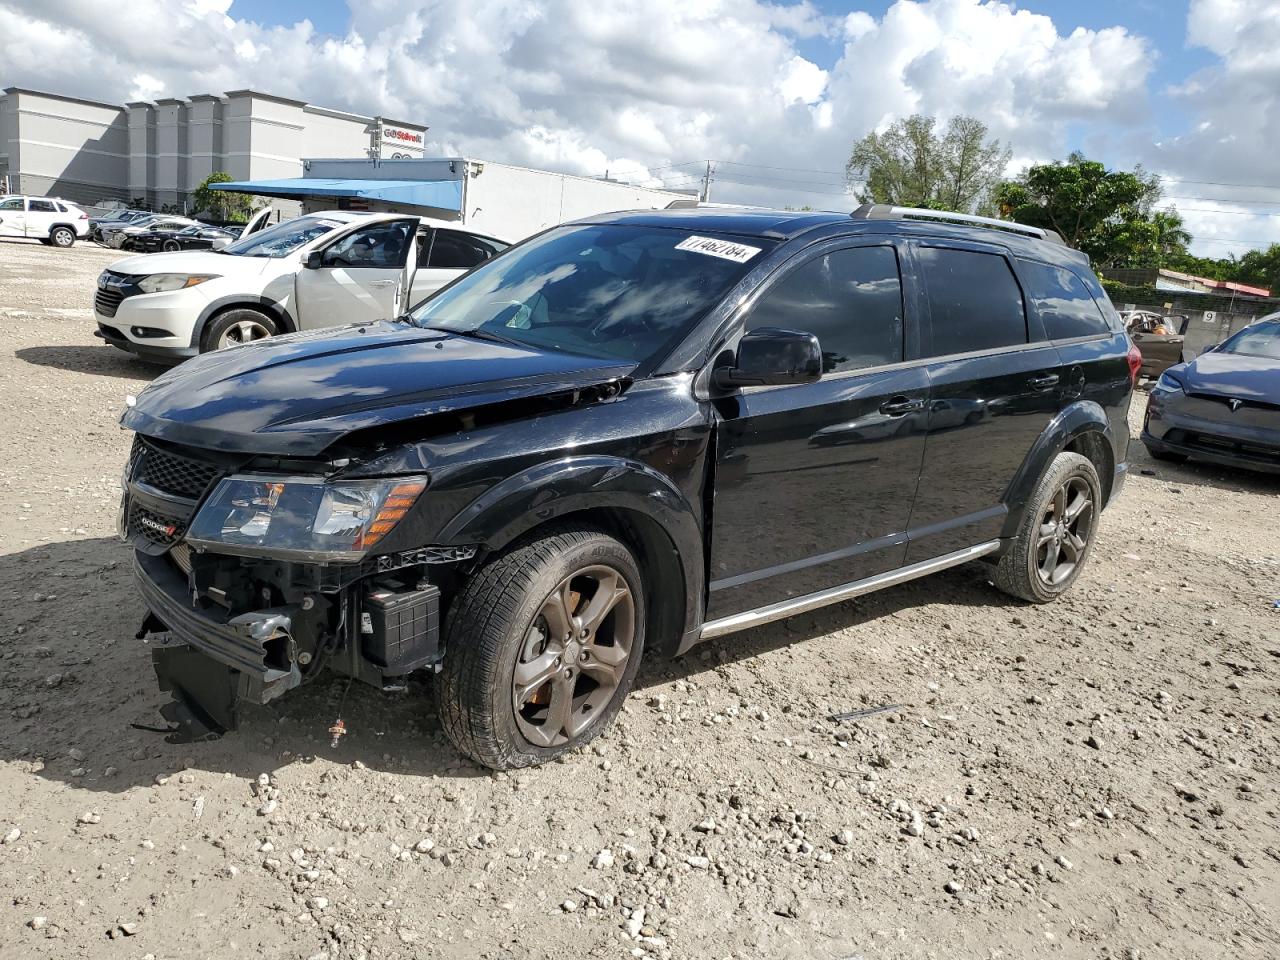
{"x": 1260, "y": 339}
{"x": 611, "y": 291}
{"x": 283, "y": 238}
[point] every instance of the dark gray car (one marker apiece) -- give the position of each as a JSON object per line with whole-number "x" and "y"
{"x": 1224, "y": 406}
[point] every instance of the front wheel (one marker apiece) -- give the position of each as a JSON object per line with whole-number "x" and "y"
{"x": 543, "y": 644}
{"x": 1056, "y": 534}
{"x": 235, "y": 327}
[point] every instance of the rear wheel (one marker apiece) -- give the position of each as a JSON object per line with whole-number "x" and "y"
{"x": 171, "y": 246}
{"x": 543, "y": 645}
{"x": 1056, "y": 534}
{"x": 62, "y": 236}
{"x": 237, "y": 326}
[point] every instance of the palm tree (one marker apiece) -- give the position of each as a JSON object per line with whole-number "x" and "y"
{"x": 1168, "y": 235}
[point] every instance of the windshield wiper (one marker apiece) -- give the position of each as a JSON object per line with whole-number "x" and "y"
{"x": 479, "y": 333}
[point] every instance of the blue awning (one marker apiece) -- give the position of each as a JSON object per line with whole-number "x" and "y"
{"x": 441, "y": 194}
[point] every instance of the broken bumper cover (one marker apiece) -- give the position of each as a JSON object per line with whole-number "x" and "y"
{"x": 210, "y": 664}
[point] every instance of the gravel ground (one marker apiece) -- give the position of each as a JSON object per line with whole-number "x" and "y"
{"x": 1094, "y": 778}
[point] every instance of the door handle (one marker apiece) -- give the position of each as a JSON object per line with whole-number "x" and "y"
{"x": 381, "y": 283}
{"x": 1043, "y": 382}
{"x": 900, "y": 406}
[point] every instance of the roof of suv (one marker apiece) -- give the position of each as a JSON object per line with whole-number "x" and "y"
{"x": 787, "y": 224}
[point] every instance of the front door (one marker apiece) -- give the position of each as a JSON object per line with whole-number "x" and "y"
{"x": 995, "y": 383}
{"x": 13, "y": 217}
{"x": 362, "y": 276}
{"x": 814, "y": 483}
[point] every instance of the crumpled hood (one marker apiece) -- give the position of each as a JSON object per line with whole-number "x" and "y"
{"x": 191, "y": 261}
{"x": 1234, "y": 375}
{"x": 298, "y": 394}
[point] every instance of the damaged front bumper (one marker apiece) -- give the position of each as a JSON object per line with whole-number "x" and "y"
{"x": 214, "y": 662}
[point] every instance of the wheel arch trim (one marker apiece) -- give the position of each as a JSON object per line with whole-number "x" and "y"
{"x": 1070, "y": 424}
{"x": 233, "y": 301}
{"x": 582, "y": 485}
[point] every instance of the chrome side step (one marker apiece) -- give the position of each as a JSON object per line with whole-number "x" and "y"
{"x": 789, "y": 608}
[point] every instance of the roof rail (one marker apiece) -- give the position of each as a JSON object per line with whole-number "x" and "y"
{"x": 887, "y": 211}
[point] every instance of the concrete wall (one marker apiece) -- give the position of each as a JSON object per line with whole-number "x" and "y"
{"x": 159, "y": 153}
{"x": 63, "y": 146}
{"x": 514, "y": 202}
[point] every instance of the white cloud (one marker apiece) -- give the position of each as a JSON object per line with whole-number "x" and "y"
{"x": 1228, "y": 153}
{"x": 636, "y": 88}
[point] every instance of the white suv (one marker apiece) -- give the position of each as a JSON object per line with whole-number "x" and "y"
{"x": 318, "y": 270}
{"x": 52, "y": 221}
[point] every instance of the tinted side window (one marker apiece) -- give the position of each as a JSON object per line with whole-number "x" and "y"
{"x": 1062, "y": 300}
{"x": 458, "y": 251}
{"x": 851, "y": 299}
{"x": 974, "y": 301}
{"x": 13, "y": 203}
{"x": 42, "y": 206}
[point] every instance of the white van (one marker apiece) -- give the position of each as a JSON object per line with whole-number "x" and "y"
{"x": 52, "y": 221}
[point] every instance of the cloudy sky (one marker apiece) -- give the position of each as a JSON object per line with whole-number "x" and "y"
{"x": 775, "y": 93}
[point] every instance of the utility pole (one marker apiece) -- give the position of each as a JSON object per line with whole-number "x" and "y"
{"x": 706, "y": 183}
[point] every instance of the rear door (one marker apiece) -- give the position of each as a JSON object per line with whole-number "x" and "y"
{"x": 444, "y": 254}
{"x": 13, "y": 217}
{"x": 814, "y": 482}
{"x": 995, "y": 384}
{"x": 41, "y": 215}
{"x": 362, "y": 276}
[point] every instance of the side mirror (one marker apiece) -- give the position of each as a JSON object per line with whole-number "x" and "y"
{"x": 314, "y": 259}
{"x": 772, "y": 357}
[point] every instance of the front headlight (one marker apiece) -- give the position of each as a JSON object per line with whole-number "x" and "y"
{"x": 164, "y": 282}
{"x": 1168, "y": 381}
{"x": 303, "y": 518}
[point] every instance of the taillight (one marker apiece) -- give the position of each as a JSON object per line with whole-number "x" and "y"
{"x": 84, "y": 216}
{"x": 1134, "y": 356}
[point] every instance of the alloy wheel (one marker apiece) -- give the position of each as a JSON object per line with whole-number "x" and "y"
{"x": 246, "y": 331}
{"x": 62, "y": 237}
{"x": 1065, "y": 527}
{"x": 574, "y": 656}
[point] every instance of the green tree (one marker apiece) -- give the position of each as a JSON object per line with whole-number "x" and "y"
{"x": 1261, "y": 268}
{"x": 911, "y": 165}
{"x": 1105, "y": 213}
{"x": 235, "y": 207}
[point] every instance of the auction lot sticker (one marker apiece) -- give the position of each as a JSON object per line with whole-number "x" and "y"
{"x": 724, "y": 249}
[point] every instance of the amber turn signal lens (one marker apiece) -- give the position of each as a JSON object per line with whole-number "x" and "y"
{"x": 399, "y": 500}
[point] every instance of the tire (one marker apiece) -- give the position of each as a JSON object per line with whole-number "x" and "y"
{"x": 171, "y": 246}
{"x": 1021, "y": 572}
{"x": 62, "y": 237}
{"x": 500, "y": 621}
{"x": 236, "y": 326}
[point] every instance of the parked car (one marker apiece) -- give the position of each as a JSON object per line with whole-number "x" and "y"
{"x": 599, "y": 447}
{"x": 198, "y": 236}
{"x": 122, "y": 236}
{"x": 312, "y": 271}
{"x": 53, "y": 222}
{"x": 116, "y": 218}
{"x": 1159, "y": 338}
{"x": 1224, "y": 406}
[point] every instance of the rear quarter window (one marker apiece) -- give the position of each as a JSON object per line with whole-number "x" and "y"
{"x": 1065, "y": 304}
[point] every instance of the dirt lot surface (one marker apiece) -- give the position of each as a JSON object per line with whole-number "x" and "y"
{"x": 1093, "y": 778}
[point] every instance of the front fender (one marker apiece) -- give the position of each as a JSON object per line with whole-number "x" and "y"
{"x": 1071, "y": 422}
{"x": 573, "y": 485}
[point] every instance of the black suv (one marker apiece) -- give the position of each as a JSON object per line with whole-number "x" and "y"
{"x": 621, "y": 437}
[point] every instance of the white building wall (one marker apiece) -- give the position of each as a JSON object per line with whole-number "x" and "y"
{"x": 63, "y": 146}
